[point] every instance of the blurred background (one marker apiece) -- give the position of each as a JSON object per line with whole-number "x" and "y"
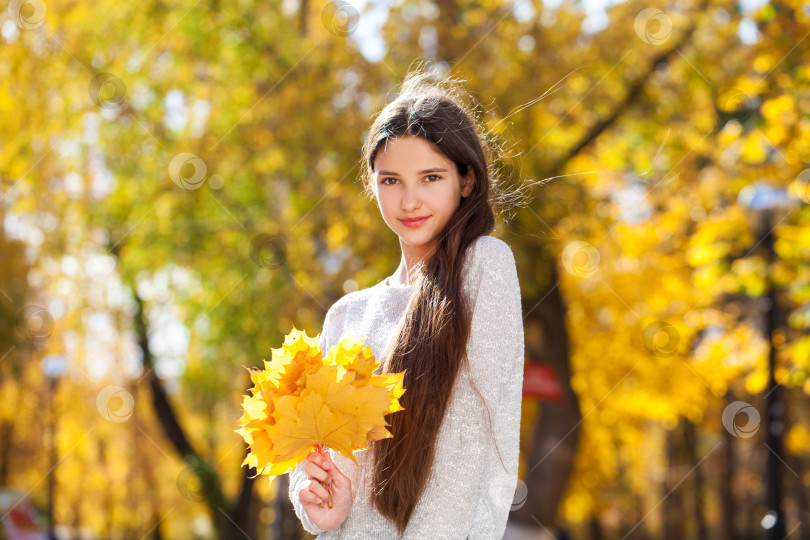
{"x": 179, "y": 186}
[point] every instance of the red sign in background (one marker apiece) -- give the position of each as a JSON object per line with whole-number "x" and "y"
{"x": 540, "y": 381}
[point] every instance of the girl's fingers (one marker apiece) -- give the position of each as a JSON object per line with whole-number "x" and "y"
{"x": 307, "y": 496}
{"x": 324, "y": 474}
{"x": 333, "y": 469}
{"x": 318, "y": 489}
{"x": 319, "y": 460}
{"x": 315, "y": 472}
{"x": 317, "y": 457}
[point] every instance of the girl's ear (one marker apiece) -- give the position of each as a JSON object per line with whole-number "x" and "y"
{"x": 467, "y": 182}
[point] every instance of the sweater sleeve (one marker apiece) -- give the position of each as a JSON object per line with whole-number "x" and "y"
{"x": 464, "y": 447}
{"x": 298, "y": 477}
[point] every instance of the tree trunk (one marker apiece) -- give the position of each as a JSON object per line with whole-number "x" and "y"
{"x": 447, "y": 44}
{"x": 690, "y": 445}
{"x": 594, "y": 528}
{"x": 303, "y": 16}
{"x": 230, "y": 521}
{"x": 556, "y": 435}
{"x": 726, "y": 483}
{"x": 222, "y": 515}
{"x": 640, "y": 533}
{"x": 287, "y": 526}
{"x": 672, "y": 507}
{"x": 800, "y": 491}
{"x": 631, "y": 96}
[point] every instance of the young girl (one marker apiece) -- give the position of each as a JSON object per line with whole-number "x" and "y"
{"x": 451, "y": 316}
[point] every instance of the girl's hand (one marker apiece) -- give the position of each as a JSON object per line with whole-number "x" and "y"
{"x": 325, "y": 477}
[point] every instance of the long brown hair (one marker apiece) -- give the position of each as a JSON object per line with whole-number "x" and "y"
{"x": 431, "y": 340}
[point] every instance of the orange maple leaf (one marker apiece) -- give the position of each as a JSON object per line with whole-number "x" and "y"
{"x": 302, "y": 401}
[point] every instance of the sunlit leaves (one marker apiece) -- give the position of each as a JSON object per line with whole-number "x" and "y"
{"x": 301, "y": 401}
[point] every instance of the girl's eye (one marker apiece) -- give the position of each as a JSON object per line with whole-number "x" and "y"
{"x": 385, "y": 182}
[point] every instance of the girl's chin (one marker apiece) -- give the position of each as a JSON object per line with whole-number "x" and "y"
{"x": 420, "y": 239}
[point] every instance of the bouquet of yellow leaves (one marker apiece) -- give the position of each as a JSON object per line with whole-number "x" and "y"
{"x": 301, "y": 402}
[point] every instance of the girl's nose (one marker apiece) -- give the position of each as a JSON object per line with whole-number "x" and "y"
{"x": 410, "y": 200}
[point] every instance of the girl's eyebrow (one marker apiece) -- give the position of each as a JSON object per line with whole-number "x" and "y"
{"x": 434, "y": 169}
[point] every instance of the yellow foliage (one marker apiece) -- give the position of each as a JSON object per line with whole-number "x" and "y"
{"x": 799, "y": 352}
{"x": 730, "y": 133}
{"x": 756, "y": 381}
{"x": 754, "y": 150}
{"x": 797, "y": 440}
{"x": 302, "y": 401}
{"x": 780, "y": 110}
{"x": 337, "y": 234}
{"x": 750, "y": 274}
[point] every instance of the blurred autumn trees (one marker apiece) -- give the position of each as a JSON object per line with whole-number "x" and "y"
{"x": 178, "y": 187}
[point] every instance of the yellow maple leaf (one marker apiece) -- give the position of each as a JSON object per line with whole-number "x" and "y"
{"x": 302, "y": 401}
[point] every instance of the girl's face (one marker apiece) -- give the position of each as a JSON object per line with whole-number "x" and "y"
{"x": 413, "y": 179}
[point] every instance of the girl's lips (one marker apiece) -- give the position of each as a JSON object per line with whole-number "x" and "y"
{"x": 413, "y": 223}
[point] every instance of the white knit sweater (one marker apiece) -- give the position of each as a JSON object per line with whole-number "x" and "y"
{"x": 470, "y": 488}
